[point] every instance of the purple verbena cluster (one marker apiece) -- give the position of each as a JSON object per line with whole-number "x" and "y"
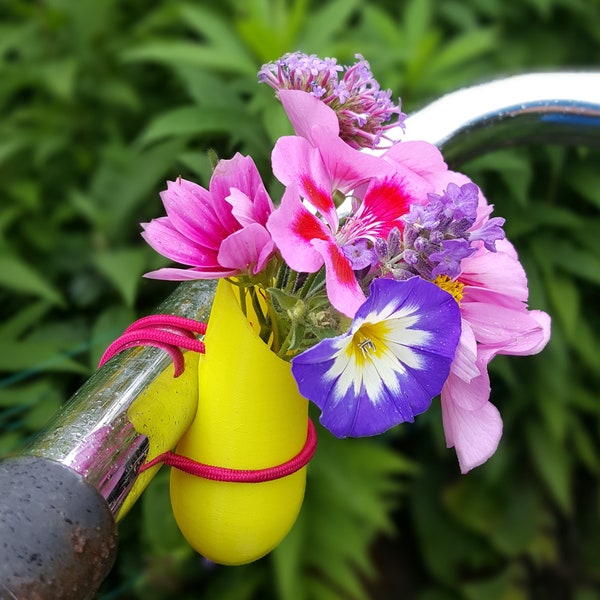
{"x": 361, "y": 106}
{"x": 438, "y": 235}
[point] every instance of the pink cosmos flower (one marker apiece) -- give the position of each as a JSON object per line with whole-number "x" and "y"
{"x": 495, "y": 320}
{"x": 217, "y": 232}
{"x": 315, "y": 164}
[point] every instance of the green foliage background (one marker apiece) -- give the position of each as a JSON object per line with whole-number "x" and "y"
{"x": 101, "y": 101}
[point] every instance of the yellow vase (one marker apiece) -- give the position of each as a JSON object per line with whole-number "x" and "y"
{"x": 250, "y": 416}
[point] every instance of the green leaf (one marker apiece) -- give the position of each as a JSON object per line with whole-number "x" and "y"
{"x": 33, "y": 357}
{"x": 462, "y": 49}
{"x": 59, "y": 77}
{"x": 161, "y": 533}
{"x": 42, "y": 411}
{"x": 509, "y": 518}
{"x": 566, "y": 302}
{"x": 585, "y": 448}
{"x": 10, "y": 147}
{"x": 553, "y": 464}
{"x": 508, "y": 585}
{"x": 207, "y": 88}
{"x": 126, "y": 177}
{"x": 123, "y": 268}
{"x": 23, "y": 320}
{"x": 577, "y": 261}
{"x": 188, "y": 121}
{"x": 174, "y": 53}
{"x": 17, "y": 275}
{"x": 352, "y": 487}
{"x": 26, "y": 394}
{"x": 217, "y": 32}
{"x": 445, "y": 546}
{"x": 242, "y": 583}
{"x": 9, "y": 442}
{"x": 513, "y": 167}
{"x": 416, "y": 21}
{"x": 285, "y": 300}
{"x": 327, "y": 19}
{"x": 269, "y": 31}
{"x": 586, "y": 182}
{"x": 381, "y": 23}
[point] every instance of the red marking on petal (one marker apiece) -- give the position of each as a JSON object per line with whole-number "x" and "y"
{"x": 320, "y": 199}
{"x": 385, "y": 202}
{"x": 342, "y": 267}
{"x": 309, "y": 227}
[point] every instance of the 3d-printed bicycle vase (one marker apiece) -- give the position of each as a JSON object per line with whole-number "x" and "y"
{"x": 250, "y": 416}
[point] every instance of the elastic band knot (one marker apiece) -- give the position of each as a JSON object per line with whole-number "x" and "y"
{"x": 171, "y": 333}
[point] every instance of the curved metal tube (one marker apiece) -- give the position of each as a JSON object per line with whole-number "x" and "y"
{"x": 557, "y": 107}
{"x": 93, "y": 434}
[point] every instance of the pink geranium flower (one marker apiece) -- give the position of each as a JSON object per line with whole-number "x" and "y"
{"x": 495, "y": 320}
{"x": 316, "y": 164}
{"x": 217, "y": 232}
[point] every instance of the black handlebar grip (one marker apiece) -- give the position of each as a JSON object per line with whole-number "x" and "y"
{"x": 58, "y": 538}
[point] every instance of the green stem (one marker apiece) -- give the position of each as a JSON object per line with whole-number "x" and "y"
{"x": 284, "y": 346}
{"x": 282, "y": 272}
{"x": 291, "y": 283}
{"x": 242, "y": 292}
{"x": 305, "y": 290}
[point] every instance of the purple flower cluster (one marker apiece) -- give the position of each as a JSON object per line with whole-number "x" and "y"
{"x": 361, "y": 106}
{"x": 438, "y": 235}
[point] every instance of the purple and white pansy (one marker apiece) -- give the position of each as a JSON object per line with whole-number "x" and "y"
{"x": 389, "y": 365}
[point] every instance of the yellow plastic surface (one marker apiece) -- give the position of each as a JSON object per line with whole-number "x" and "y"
{"x": 163, "y": 412}
{"x": 250, "y": 416}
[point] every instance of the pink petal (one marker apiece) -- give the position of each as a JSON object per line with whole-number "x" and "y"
{"x": 307, "y": 113}
{"x": 494, "y": 277}
{"x": 295, "y": 161}
{"x": 472, "y": 394}
{"x": 293, "y": 228}
{"x": 238, "y": 172}
{"x": 475, "y": 434}
{"x": 463, "y": 365}
{"x": 510, "y": 330}
{"x": 247, "y": 250}
{"x": 348, "y": 168}
{"x": 318, "y": 124}
{"x": 172, "y": 274}
{"x": 532, "y": 341}
{"x": 242, "y": 207}
{"x": 249, "y": 210}
{"x": 243, "y": 177}
{"x": 343, "y": 290}
{"x": 422, "y": 158}
{"x": 385, "y": 201}
{"x": 190, "y": 210}
{"x": 166, "y": 240}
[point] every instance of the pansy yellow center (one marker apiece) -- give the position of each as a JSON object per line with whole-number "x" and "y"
{"x": 368, "y": 342}
{"x": 453, "y": 287}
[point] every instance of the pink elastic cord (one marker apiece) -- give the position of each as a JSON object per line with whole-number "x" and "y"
{"x": 192, "y": 467}
{"x": 168, "y": 332}
{"x": 172, "y": 333}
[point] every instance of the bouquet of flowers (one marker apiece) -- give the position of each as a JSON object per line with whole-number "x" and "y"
{"x": 380, "y": 275}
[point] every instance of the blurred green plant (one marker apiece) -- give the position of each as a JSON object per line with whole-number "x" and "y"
{"x": 103, "y": 101}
